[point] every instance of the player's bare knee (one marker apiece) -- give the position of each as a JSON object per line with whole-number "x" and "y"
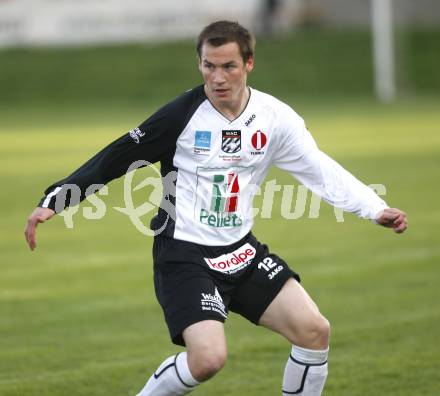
{"x": 314, "y": 334}
{"x": 206, "y": 364}
{"x": 318, "y": 333}
{"x": 324, "y": 332}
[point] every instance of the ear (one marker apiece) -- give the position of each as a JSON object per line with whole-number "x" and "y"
{"x": 199, "y": 63}
{"x": 250, "y": 64}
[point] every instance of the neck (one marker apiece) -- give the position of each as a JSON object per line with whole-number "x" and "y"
{"x": 231, "y": 110}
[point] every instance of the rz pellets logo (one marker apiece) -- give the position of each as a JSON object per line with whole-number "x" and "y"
{"x": 225, "y": 196}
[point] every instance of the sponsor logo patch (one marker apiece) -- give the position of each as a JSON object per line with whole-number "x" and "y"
{"x": 213, "y": 302}
{"x": 224, "y": 202}
{"x": 231, "y": 141}
{"x": 220, "y": 194}
{"x": 136, "y": 135}
{"x": 258, "y": 141}
{"x": 234, "y": 261}
{"x": 202, "y": 142}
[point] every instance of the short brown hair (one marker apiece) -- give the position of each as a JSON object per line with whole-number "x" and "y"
{"x": 223, "y": 32}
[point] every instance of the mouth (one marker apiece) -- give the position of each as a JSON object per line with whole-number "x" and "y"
{"x": 221, "y": 91}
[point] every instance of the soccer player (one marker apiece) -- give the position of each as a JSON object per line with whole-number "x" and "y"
{"x": 219, "y": 140}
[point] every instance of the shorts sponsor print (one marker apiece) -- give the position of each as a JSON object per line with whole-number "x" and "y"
{"x": 214, "y": 303}
{"x": 232, "y": 262}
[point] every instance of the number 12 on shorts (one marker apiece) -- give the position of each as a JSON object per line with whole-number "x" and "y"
{"x": 270, "y": 266}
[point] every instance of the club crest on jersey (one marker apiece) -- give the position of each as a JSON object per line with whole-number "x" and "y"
{"x": 258, "y": 141}
{"x": 231, "y": 141}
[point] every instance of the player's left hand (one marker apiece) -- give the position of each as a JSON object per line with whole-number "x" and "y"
{"x": 393, "y": 218}
{"x": 39, "y": 215}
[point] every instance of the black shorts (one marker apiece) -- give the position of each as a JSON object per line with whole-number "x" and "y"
{"x": 195, "y": 282}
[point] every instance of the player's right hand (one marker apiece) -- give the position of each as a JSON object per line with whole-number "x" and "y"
{"x": 39, "y": 215}
{"x": 393, "y": 218}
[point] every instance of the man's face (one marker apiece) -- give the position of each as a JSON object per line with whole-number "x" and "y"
{"x": 224, "y": 73}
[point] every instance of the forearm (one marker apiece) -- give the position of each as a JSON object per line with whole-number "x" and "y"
{"x": 326, "y": 178}
{"x": 110, "y": 163}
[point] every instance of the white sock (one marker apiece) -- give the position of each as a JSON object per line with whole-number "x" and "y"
{"x": 305, "y": 372}
{"x": 172, "y": 378}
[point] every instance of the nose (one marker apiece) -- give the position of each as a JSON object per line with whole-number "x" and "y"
{"x": 218, "y": 76}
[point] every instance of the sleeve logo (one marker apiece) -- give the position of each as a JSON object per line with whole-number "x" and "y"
{"x": 136, "y": 135}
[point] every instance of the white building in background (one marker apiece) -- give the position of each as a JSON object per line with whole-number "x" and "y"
{"x": 71, "y": 22}
{"x": 55, "y": 22}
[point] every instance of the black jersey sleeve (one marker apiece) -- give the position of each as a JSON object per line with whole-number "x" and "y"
{"x": 154, "y": 140}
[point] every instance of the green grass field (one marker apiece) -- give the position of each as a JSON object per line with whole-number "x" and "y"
{"x": 79, "y": 317}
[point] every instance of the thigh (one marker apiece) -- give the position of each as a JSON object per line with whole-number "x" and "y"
{"x": 293, "y": 314}
{"x": 259, "y": 288}
{"x": 206, "y": 347}
{"x": 187, "y": 300}
{"x": 186, "y": 292}
{"x": 205, "y": 338}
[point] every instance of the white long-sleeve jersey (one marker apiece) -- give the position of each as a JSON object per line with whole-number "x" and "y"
{"x": 217, "y": 166}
